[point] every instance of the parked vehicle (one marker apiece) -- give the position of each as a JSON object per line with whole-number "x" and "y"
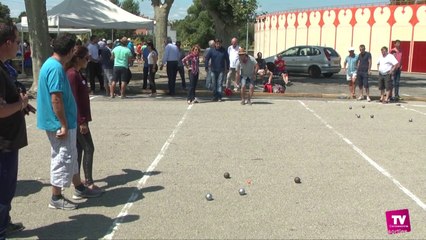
{"x": 313, "y": 60}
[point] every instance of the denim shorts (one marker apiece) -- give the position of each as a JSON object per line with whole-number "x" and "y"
{"x": 246, "y": 81}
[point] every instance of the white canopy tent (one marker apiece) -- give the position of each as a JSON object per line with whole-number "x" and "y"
{"x": 94, "y": 14}
{"x": 23, "y": 27}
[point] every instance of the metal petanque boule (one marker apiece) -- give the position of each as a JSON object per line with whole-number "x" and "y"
{"x": 371, "y": 116}
{"x": 297, "y": 180}
{"x": 350, "y": 107}
{"x": 226, "y": 175}
{"x": 410, "y": 120}
{"x": 363, "y": 106}
{"x": 242, "y": 191}
{"x": 209, "y": 197}
{"x": 358, "y": 116}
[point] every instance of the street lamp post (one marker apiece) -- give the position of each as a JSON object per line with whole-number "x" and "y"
{"x": 247, "y": 35}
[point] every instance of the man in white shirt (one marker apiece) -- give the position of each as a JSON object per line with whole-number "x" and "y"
{"x": 386, "y": 65}
{"x": 233, "y": 58}
{"x": 170, "y": 59}
{"x": 94, "y": 68}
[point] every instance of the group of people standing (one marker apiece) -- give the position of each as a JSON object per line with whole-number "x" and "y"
{"x": 358, "y": 67}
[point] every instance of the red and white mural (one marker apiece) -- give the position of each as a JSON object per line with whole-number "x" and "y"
{"x": 341, "y": 28}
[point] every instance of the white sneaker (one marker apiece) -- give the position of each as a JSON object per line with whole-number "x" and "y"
{"x": 361, "y": 98}
{"x": 368, "y": 99}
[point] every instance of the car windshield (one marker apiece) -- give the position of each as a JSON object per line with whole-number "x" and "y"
{"x": 290, "y": 52}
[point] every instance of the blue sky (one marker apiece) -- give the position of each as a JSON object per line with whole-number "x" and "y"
{"x": 179, "y": 7}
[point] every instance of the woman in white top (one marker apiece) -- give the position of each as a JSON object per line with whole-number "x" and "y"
{"x": 152, "y": 67}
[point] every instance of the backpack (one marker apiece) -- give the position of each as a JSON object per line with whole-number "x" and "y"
{"x": 278, "y": 88}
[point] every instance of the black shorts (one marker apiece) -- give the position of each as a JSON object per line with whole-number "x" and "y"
{"x": 385, "y": 82}
{"x": 122, "y": 74}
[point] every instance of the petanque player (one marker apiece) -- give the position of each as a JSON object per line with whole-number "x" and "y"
{"x": 246, "y": 73}
{"x": 57, "y": 115}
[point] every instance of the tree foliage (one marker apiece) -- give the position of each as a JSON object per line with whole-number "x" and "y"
{"x": 116, "y": 2}
{"x": 208, "y": 19}
{"x": 131, "y": 6}
{"x": 4, "y": 12}
{"x": 196, "y": 27}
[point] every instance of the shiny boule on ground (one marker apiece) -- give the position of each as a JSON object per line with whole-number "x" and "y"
{"x": 242, "y": 191}
{"x": 209, "y": 196}
{"x": 226, "y": 175}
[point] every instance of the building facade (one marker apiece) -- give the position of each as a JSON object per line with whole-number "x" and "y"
{"x": 374, "y": 26}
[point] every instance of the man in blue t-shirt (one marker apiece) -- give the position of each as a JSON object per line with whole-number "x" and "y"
{"x": 57, "y": 115}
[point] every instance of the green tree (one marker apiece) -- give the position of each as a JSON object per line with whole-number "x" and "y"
{"x": 39, "y": 36}
{"x": 161, "y": 16}
{"x": 116, "y": 2}
{"x": 131, "y": 6}
{"x": 230, "y": 16}
{"x": 4, "y": 12}
{"x": 196, "y": 27}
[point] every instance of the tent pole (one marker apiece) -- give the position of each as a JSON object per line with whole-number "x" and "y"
{"x": 112, "y": 34}
{"x": 23, "y": 52}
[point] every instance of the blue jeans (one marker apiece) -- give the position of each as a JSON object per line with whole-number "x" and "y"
{"x": 217, "y": 81}
{"x": 396, "y": 78}
{"x": 193, "y": 80}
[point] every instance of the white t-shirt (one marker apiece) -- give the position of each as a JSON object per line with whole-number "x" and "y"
{"x": 151, "y": 56}
{"x": 233, "y": 55}
{"x": 386, "y": 63}
{"x": 247, "y": 69}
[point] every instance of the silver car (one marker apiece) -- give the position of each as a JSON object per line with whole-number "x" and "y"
{"x": 313, "y": 60}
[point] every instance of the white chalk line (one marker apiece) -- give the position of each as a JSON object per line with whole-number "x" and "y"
{"x": 414, "y": 110}
{"x": 141, "y": 183}
{"x": 369, "y": 160}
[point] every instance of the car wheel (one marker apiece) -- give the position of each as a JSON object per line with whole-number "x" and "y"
{"x": 314, "y": 72}
{"x": 327, "y": 75}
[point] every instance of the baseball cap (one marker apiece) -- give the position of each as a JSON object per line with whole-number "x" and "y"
{"x": 351, "y": 49}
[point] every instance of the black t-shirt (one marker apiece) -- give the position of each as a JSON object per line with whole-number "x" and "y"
{"x": 261, "y": 62}
{"x": 13, "y": 132}
{"x": 363, "y": 62}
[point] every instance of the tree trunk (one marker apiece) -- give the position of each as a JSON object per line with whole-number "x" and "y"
{"x": 223, "y": 30}
{"x": 39, "y": 37}
{"x": 161, "y": 15}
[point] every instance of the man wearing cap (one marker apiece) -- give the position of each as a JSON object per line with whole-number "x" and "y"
{"x": 350, "y": 67}
{"x": 246, "y": 69}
